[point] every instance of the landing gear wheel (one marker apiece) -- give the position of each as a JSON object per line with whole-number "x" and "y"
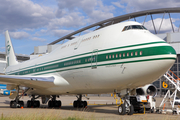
{"x": 75, "y": 104}
{"x": 11, "y": 104}
{"x": 122, "y": 109}
{"x": 85, "y": 104}
{"x": 56, "y": 104}
{"x": 20, "y": 104}
{"x": 50, "y": 104}
{"x": 79, "y": 104}
{"x": 36, "y": 104}
{"x": 14, "y": 104}
{"x": 152, "y": 110}
{"x": 131, "y": 110}
{"x": 29, "y": 104}
{"x": 33, "y": 104}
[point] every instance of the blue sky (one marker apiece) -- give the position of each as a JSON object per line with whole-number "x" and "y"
{"x": 39, "y": 22}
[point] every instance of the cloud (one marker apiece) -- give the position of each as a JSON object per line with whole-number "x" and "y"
{"x": 118, "y": 4}
{"x": 165, "y": 27}
{"x": 2, "y": 48}
{"x": 19, "y": 35}
{"x": 72, "y": 20}
{"x": 73, "y": 14}
{"x": 38, "y": 39}
{"x": 60, "y": 33}
{"x": 93, "y": 10}
{"x": 139, "y": 5}
{"x": 23, "y": 14}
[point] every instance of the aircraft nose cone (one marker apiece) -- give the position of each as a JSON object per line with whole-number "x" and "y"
{"x": 167, "y": 57}
{"x": 161, "y": 57}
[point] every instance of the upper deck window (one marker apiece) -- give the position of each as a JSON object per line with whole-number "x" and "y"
{"x": 141, "y": 27}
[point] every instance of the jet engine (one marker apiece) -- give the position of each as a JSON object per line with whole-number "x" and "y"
{"x": 149, "y": 89}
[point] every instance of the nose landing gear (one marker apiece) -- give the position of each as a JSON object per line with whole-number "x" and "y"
{"x": 126, "y": 108}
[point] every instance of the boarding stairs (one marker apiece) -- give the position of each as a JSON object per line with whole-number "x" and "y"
{"x": 170, "y": 76}
{"x": 171, "y": 93}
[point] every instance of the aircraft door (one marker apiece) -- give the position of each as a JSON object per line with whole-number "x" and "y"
{"x": 94, "y": 57}
{"x": 78, "y": 43}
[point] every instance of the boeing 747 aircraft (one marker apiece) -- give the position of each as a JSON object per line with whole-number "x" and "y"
{"x": 117, "y": 58}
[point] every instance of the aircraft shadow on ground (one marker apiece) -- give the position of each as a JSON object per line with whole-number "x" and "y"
{"x": 108, "y": 109}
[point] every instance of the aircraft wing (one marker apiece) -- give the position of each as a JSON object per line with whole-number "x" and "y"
{"x": 28, "y": 81}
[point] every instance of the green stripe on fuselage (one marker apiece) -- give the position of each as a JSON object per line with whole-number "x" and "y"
{"x": 150, "y": 51}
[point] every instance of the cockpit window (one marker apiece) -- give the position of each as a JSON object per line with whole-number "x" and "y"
{"x": 144, "y": 28}
{"x": 134, "y": 27}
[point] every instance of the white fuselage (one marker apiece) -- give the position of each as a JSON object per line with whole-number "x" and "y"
{"x": 102, "y": 61}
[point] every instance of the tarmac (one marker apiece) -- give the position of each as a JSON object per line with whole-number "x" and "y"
{"x": 101, "y": 108}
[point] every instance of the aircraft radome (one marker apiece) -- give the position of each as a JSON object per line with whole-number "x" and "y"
{"x": 117, "y": 58}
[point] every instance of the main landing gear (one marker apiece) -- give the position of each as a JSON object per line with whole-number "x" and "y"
{"x": 79, "y": 103}
{"x": 53, "y": 103}
{"x": 20, "y": 104}
{"x": 17, "y": 103}
{"x": 126, "y": 107}
{"x": 33, "y": 103}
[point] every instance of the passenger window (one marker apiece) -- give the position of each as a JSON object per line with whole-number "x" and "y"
{"x": 135, "y": 53}
{"x": 127, "y": 54}
{"x": 131, "y": 53}
{"x": 110, "y": 56}
{"x": 140, "y": 53}
{"x": 120, "y": 55}
{"x": 123, "y": 54}
{"x": 106, "y": 56}
{"x": 116, "y": 55}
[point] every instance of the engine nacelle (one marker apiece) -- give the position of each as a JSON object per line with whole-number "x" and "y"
{"x": 149, "y": 89}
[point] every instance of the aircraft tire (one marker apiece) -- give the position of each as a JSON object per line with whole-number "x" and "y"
{"x": 21, "y": 104}
{"x": 85, "y": 104}
{"x": 80, "y": 104}
{"x": 122, "y": 109}
{"x": 11, "y": 104}
{"x": 131, "y": 108}
{"x": 50, "y": 104}
{"x": 36, "y": 104}
{"x": 57, "y": 104}
{"x": 152, "y": 110}
{"x": 75, "y": 104}
{"x": 28, "y": 104}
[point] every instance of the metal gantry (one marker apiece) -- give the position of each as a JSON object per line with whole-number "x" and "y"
{"x": 121, "y": 18}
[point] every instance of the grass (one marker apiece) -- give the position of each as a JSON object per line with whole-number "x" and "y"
{"x": 81, "y": 114}
{"x": 38, "y": 117}
{"x": 55, "y": 116}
